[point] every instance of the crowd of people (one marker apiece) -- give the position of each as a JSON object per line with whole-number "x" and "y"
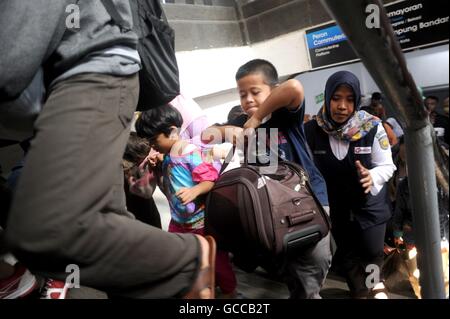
{"x": 83, "y": 194}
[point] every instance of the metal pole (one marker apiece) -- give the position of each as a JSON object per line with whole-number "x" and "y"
{"x": 380, "y": 52}
{"x": 426, "y": 225}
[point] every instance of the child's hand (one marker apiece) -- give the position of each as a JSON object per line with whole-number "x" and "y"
{"x": 154, "y": 159}
{"x": 187, "y": 195}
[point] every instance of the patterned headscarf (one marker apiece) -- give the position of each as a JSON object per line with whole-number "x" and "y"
{"x": 359, "y": 124}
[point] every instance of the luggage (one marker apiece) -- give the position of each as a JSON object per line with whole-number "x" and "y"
{"x": 261, "y": 217}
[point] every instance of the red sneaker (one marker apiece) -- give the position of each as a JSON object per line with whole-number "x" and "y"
{"x": 20, "y": 284}
{"x": 54, "y": 289}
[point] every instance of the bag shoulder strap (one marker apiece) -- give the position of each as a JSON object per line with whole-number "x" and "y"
{"x": 228, "y": 159}
{"x": 115, "y": 15}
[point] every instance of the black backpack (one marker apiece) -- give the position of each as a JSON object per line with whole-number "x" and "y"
{"x": 159, "y": 77}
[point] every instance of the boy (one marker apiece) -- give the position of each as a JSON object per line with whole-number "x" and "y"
{"x": 272, "y": 106}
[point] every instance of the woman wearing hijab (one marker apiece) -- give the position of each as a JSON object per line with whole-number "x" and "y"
{"x": 352, "y": 151}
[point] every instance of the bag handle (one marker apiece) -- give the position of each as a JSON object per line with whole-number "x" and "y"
{"x": 245, "y": 150}
{"x": 228, "y": 160}
{"x": 115, "y": 15}
{"x": 230, "y": 155}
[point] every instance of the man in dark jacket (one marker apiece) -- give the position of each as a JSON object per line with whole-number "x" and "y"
{"x": 69, "y": 206}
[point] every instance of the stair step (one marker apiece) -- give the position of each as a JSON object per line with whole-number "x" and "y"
{"x": 199, "y": 12}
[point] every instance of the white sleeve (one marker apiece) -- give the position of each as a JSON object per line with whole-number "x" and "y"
{"x": 382, "y": 160}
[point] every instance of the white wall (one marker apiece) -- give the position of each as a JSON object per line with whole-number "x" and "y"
{"x": 429, "y": 67}
{"x": 208, "y": 75}
{"x": 288, "y": 53}
{"x": 217, "y": 107}
{"x": 205, "y": 72}
{"x": 314, "y": 84}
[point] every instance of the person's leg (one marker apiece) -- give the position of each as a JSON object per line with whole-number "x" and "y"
{"x": 372, "y": 256}
{"x": 306, "y": 272}
{"x": 365, "y": 247}
{"x": 5, "y": 203}
{"x": 225, "y": 277}
{"x": 347, "y": 260}
{"x": 352, "y": 265}
{"x": 372, "y": 245}
{"x": 144, "y": 209}
{"x": 206, "y": 291}
{"x": 70, "y": 207}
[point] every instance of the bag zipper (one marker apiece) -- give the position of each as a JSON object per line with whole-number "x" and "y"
{"x": 308, "y": 187}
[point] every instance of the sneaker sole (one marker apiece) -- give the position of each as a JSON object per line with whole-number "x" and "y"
{"x": 61, "y": 291}
{"x": 27, "y": 285}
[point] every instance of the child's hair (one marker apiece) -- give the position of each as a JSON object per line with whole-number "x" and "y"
{"x": 137, "y": 149}
{"x": 432, "y": 97}
{"x": 158, "y": 120}
{"x": 264, "y": 67}
{"x": 235, "y": 112}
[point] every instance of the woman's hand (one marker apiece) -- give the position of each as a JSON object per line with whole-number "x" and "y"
{"x": 366, "y": 179}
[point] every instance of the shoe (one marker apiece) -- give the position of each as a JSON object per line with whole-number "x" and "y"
{"x": 378, "y": 292}
{"x": 19, "y": 285}
{"x": 360, "y": 295}
{"x": 206, "y": 276}
{"x": 240, "y": 295}
{"x": 54, "y": 289}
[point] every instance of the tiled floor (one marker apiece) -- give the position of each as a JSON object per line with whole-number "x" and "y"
{"x": 256, "y": 285}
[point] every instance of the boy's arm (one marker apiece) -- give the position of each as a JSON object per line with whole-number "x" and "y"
{"x": 290, "y": 94}
{"x": 214, "y": 134}
{"x": 221, "y": 134}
